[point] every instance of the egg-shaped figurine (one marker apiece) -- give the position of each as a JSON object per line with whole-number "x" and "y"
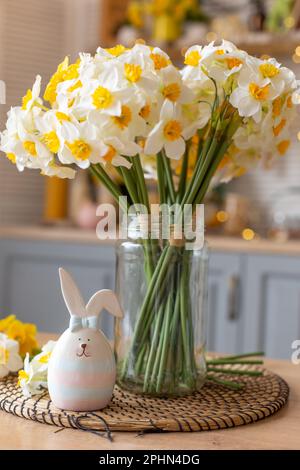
{"x": 82, "y": 369}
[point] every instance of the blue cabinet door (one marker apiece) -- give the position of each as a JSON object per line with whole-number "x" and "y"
{"x": 224, "y": 298}
{"x": 30, "y": 285}
{"x": 271, "y": 304}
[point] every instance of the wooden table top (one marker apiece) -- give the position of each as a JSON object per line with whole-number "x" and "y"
{"x": 281, "y": 431}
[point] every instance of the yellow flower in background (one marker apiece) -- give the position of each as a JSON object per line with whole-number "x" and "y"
{"x": 5, "y": 322}
{"x": 135, "y": 14}
{"x": 24, "y": 333}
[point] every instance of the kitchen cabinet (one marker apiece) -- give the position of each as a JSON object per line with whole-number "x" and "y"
{"x": 224, "y": 319}
{"x": 254, "y": 298}
{"x": 271, "y": 304}
{"x": 29, "y": 281}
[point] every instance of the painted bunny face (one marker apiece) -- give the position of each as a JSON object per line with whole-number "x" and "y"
{"x": 84, "y": 346}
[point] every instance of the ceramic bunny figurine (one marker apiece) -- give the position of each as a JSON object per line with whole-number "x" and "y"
{"x": 82, "y": 370}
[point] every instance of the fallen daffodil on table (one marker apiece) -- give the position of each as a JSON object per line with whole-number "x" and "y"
{"x": 33, "y": 377}
{"x": 10, "y": 359}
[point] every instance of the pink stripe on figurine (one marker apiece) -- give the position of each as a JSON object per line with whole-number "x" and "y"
{"x": 82, "y": 370}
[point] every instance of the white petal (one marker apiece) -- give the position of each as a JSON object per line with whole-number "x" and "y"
{"x": 248, "y": 106}
{"x": 130, "y": 149}
{"x": 175, "y": 149}
{"x": 167, "y": 111}
{"x": 154, "y": 143}
{"x": 121, "y": 161}
{"x": 15, "y": 362}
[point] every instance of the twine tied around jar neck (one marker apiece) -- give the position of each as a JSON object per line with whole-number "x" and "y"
{"x": 177, "y": 238}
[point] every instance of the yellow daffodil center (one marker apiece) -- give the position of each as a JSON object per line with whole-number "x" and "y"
{"x": 172, "y": 91}
{"x": 289, "y": 102}
{"x": 102, "y": 98}
{"x": 11, "y": 157}
{"x": 76, "y": 85}
{"x": 123, "y": 121}
{"x": 192, "y": 58}
{"x": 62, "y": 116}
{"x": 22, "y": 375}
{"x": 283, "y": 146}
{"x": 71, "y": 102}
{"x": 259, "y": 93}
{"x": 110, "y": 154}
{"x": 276, "y": 107}
{"x": 145, "y": 111}
{"x": 80, "y": 149}
{"x": 45, "y": 358}
{"x": 160, "y": 62}
{"x": 64, "y": 72}
{"x": 51, "y": 141}
{"x": 233, "y": 62}
{"x": 4, "y": 355}
{"x": 117, "y": 50}
{"x": 268, "y": 70}
{"x": 277, "y": 129}
{"x": 172, "y": 130}
{"x": 133, "y": 72}
{"x": 220, "y": 52}
{"x": 26, "y": 99}
{"x": 29, "y": 146}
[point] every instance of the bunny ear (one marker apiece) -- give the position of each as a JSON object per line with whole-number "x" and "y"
{"x": 104, "y": 299}
{"x": 71, "y": 294}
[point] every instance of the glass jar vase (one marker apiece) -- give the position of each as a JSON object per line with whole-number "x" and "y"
{"x": 160, "y": 342}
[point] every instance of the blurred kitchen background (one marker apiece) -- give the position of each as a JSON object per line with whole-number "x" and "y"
{"x": 253, "y": 223}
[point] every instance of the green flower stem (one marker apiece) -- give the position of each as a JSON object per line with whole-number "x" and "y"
{"x": 185, "y": 324}
{"x": 165, "y": 344}
{"x": 160, "y": 179}
{"x": 169, "y": 179}
{"x": 153, "y": 347}
{"x": 136, "y": 162}
{"x": 222, "y": 362}
{"x": 183, "y": 175}
{"x": 130, "y": 184}
{"x": 156, "y": 281}
{"x": 241, "y": 356}
{"x": 112, "y": 187}
{"x": 226, "y": 383}
{"x": 254, "y": 373}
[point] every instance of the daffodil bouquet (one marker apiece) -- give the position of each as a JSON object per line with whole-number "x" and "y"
{"x": 134, "y": 111}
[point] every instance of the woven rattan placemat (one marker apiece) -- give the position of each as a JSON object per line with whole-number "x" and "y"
{"x": 214, "y": 407}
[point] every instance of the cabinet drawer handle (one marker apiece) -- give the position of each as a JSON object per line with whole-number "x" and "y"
{"x": 233, "y": 298}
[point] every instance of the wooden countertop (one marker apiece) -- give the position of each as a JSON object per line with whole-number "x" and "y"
{"x": 216, "y": 243}
{"x": 281, "y": 431}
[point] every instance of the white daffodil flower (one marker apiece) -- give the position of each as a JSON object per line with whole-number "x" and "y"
{"x": 81, "y": 145}
{"x": 168, "y": 133}
{"x": 251, "y": 94}
{"x": 10, "y": 360}
{"x": 128, "y": 126}
{"x": 33, "y": 376}
{"x": 115, "y": 150}
{"x": 173, "y": 87}
{"x": 20, "y": 140}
